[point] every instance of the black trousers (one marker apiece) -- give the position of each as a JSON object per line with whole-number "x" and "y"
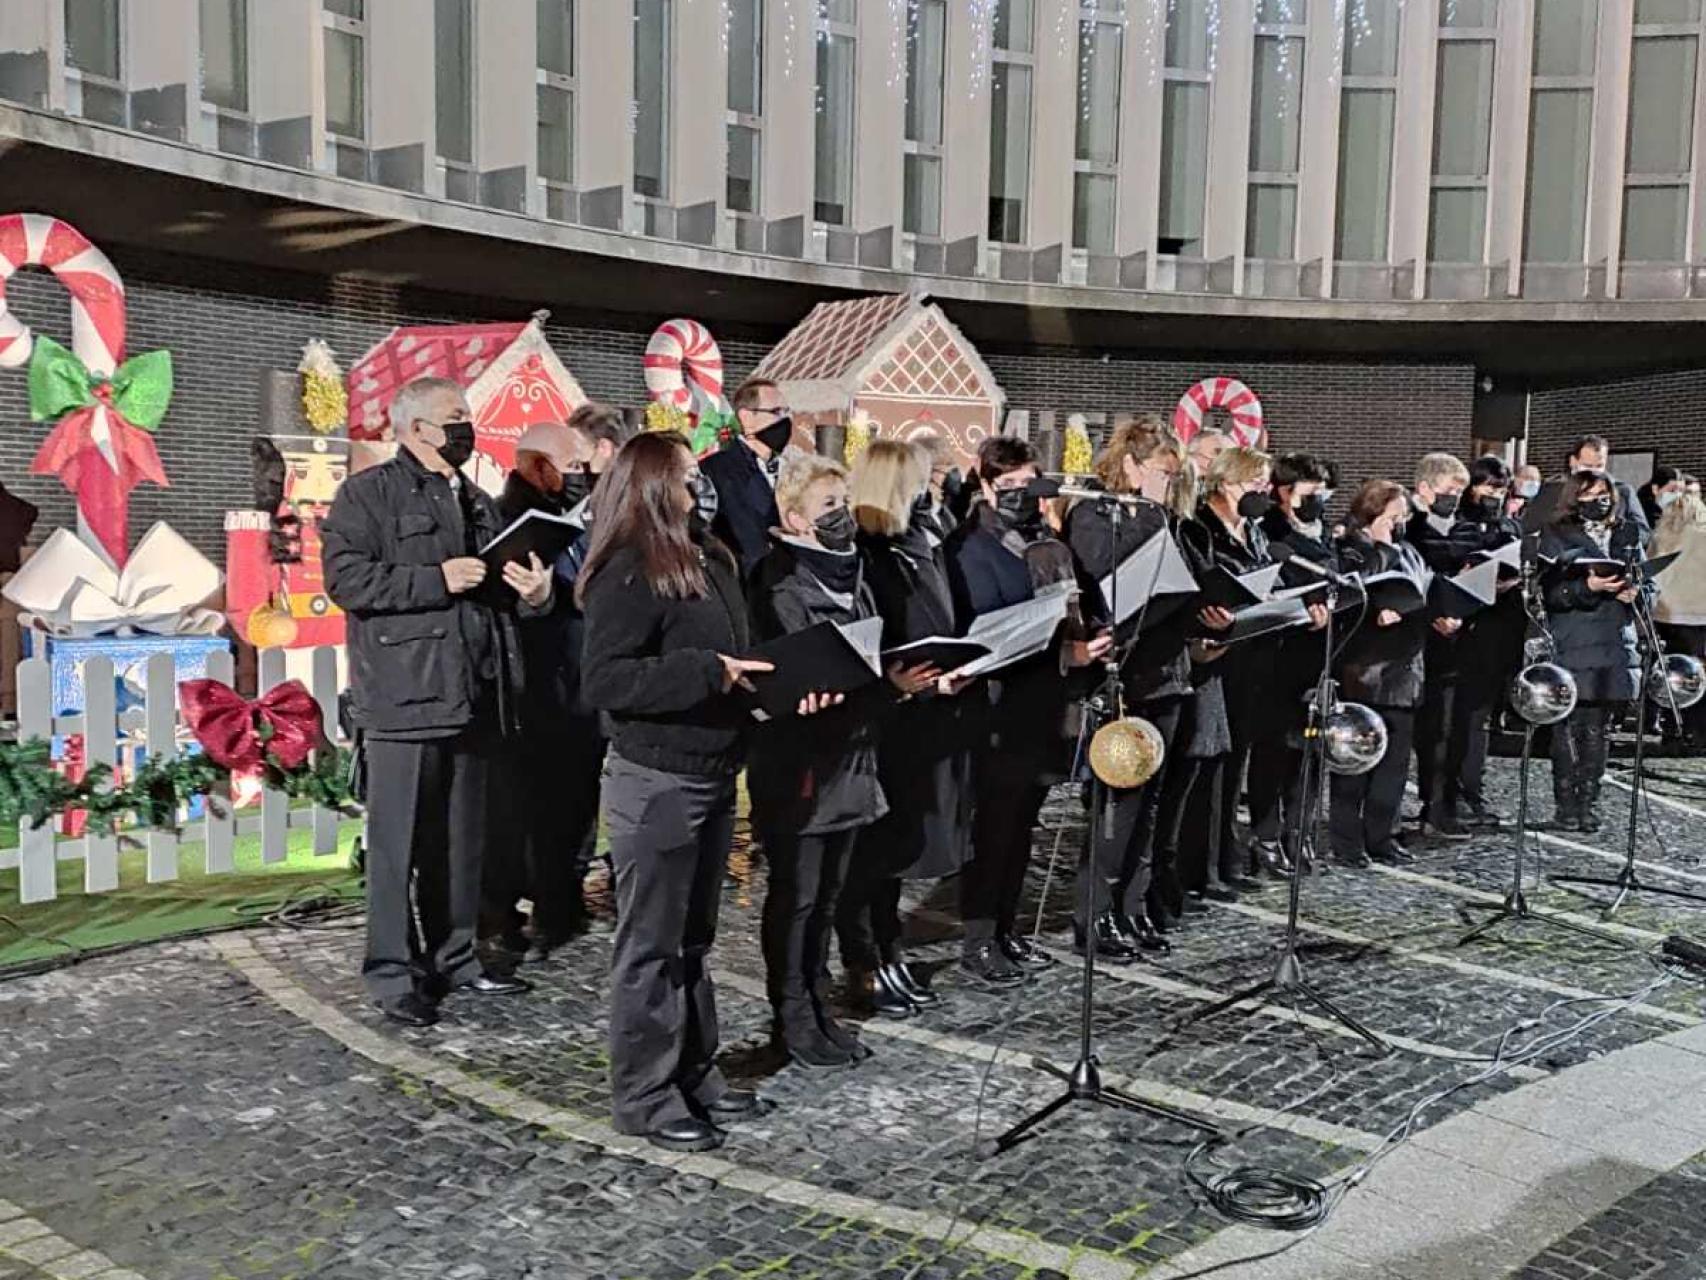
{"x": 1009, "y": 798}
{"x": 563, "y": 772}
{"x": 1581, "y": 744}
{"x": 1363, "y": 808}
{"x": 1277, "y": 812}
{"x": 806, "y": 874}
{"x": 669, "y": 846}
{"x": 867, "y": 915}
{"x": 1128, "y": 850}
{"x": 428, "y": 810}
{"x": 1441, "y": 744}
{"x": 1193, "y": 821}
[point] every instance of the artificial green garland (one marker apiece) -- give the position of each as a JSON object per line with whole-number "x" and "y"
{"x": 33, "y": 791}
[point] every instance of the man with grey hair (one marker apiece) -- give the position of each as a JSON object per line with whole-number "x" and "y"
{"x": 436, "y": 680}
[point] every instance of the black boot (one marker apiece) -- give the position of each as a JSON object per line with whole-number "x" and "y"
{"x": 911, "y": 985}
{"x": 1142, "y": 933}
{"x": 840, "y": 1036}
{"x": 795, "y": 1028}
{"x": 870, "y": 992}
{"x": 1111, "y": 945}
{"x": 1270, "y": 856}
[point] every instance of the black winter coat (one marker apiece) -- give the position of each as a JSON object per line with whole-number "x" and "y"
{"x": 812, "y": 775}
{"x": 1297, "y": 663}
{"x": 1594, "y": 632}
{"x": 1381, "y": 666}
{"x": 1444, "y": 551}
{"x": 423, "y": 663}
{"x": 746, "y": 502}
{"x": 651, "y": 665}
{"x": 552, "y": 642}
{"x": 1247, "y": 672}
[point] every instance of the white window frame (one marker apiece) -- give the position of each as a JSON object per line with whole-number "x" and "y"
{"x": 751, "y": 120}
{"x": 1019, "y": 58}
{"x": 936, "y": 151}
{"x": 469, "y": 168}
{"x": 331, "y": 140}
{"x": 1538, "y": 83}
{"x": 1298, "y": 31}
{"x": 826, "y": 28}
{"x": 1100, "y": 13}
{"x": 213, "y": 114}
{"x": 653, "y": 210}
{"x": 1670, "y": 181}
{"x": 1488, "y": 36}
{"x": 76, "y": 77}
{"x": 1387, "y": 82}
{"x": 569, "y": 84}
{"x": 1181, "y": 75}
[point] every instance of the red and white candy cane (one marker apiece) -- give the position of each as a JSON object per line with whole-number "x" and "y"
{"x": 97, "y": 293}
{"x": 1230, "y": 394}
{"x": 683, "y": 365}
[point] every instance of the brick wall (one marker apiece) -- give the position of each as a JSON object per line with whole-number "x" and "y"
{"x": 1374, "y": 420}
{"x": 1664, "y": 412}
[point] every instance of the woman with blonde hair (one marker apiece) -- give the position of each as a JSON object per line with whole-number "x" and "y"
{"x": 923, "y": 755}
{"x": 1681, "y": 608}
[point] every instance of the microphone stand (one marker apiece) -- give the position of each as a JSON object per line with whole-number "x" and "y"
{"x": 1515, "y": 906}
{"x": 1287, "y": 982}
{"x": 1626, "y": 881}
{"x": 1084, "y": 1077}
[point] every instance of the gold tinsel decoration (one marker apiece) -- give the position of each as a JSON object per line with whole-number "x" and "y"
{"x": 325, "y": 403}
{"x": 1077, "y": 458}
{"x": 663, "y": 416}
{"x": 856, "y": 441}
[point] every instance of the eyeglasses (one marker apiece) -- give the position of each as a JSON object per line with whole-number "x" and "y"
{"x": 776, "y": 411}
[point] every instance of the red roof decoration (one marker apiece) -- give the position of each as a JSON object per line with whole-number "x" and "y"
{"x": 459, "y": 352}
{"x": 833, "y": 337}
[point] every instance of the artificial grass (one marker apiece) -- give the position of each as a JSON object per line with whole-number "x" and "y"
{"x": 138, "y": 912}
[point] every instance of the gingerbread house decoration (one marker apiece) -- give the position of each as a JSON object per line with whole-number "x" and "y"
{"x": 511, "y": 375}
{"x": 893, "y": 362}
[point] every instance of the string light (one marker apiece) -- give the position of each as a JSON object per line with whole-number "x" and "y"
{"x": 982, "y": 42}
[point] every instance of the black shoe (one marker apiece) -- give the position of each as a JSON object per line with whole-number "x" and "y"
{"x": 687, "y": 1134}
{"x": 1141, "y": 931}
{"x": 1168, "y": 889}
{"x": 991, "y": 966}
{"x": 841, "y": 1037}
{"x": 489, "y": 984}
{"x": 1590, "y": 822}
{"x": 1393, "y": 855}
{"x": 1023, "y": 952}
{"x": 1356, "y": 858}
{"x": 1450, "y": 831}
{"x": 869, "y": 991}
{"x": 1561, "y": 820}
{"x": 1483, "y": 818}
{"x": 1271, "y": 858}
{"x": 1221, "y": 893}
{"x": 1160, "y": 918}
{"x": 1193, "y": 905}
{"x": 1110, "y": 945}
{"x": 912, "y": 986}
{"x": 411, "y": 1009}
{"x": 738, "y": 1104}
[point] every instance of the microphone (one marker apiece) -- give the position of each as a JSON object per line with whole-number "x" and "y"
{"x": 1285, "y": 553}
{"x": 1090, "y": 488}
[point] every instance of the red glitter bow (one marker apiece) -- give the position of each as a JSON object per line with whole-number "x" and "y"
{"x": 283, "y": 724}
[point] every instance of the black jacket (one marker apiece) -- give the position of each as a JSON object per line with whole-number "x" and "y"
{"x": 1490, "y": 644}
{"x": 1594, "y": 631}
{"x": 1381, "y": 666}
{"x": 812, "y": 775}
{"x": 1247, "y": 672}
{"x": 1157, "y": 661}
{"x": 423, "y": 663}
{"x": 1446, "y": 552}
{"x": 1300, "y": 651}
{"x": 746, "y": 502}
{"x": 551, "y": 643}
{"x": 651, "y": 665}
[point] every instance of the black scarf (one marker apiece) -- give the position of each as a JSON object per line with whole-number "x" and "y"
{"x": 838, "y": 571}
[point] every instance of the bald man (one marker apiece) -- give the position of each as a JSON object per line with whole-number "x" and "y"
{"x": 560, "y": 755}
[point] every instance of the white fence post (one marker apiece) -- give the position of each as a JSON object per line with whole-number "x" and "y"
{"x": 275, "y": 805}
{"x": 161, "y": 712}
{"x": 37, "y": 881}
{"x": 220, "y": 817}
{"x": 325, "y": 690}
{"x": 100, "y": 746}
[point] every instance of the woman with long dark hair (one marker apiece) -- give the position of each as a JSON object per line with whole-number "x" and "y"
{"x": 1592, "y": 616}
{"x": 665, "y": 620}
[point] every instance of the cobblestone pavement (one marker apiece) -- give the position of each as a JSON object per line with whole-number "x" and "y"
{"x": 233, "y": 1108}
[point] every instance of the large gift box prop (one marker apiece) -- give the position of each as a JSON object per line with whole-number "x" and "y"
{"x": 511, "y": 375}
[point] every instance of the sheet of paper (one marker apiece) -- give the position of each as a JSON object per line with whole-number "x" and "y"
{"x": 1157, "y": 568}
{"x": 865, "y": 637}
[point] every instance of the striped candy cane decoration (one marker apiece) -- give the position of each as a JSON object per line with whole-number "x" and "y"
{"x": 97, "y": 293}
{"x": 684, "y": 368}
{"x": 1220, "y": 393}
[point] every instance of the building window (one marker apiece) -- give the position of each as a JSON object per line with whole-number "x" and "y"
{"x": 651, "y": 97}
{"x": 345, "y": 23}
{"x": 1560, "y": 129}
{"x": 1463, "y": 131}
{"x": 837, "y": 58}
{"x": 94, "y": 54}
{"x": 1184, "y": 128}
{"x": 1011, "y": 68}
{"x": 453, "y": 71}
{"x": 1367, "y": 109}
{"x": 556, "y": 91}
{"x": 1276, "y": 110}
{"x": 1096, "y": 157}
{"x": 225, "y": 54}
{"x": 1659, "y": 160}
{"x": 746, "y": 104}
{"x": 926, "y": 66}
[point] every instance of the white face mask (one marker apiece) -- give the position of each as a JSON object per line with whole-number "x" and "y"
{"x": 1666, "y": 497}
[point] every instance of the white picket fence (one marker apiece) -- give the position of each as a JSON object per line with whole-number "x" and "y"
{"x": 41, "y": 848}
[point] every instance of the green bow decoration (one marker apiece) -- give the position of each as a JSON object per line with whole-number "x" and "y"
{"x": 60, "y": 383}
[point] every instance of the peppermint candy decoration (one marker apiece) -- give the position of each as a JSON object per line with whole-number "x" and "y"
{"x": 97, "y": 293}
{"x": 1220, "y": 393}
{"x": 684, "y": 368}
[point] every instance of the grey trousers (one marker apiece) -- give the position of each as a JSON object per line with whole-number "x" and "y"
{"x": 669, "y": 845}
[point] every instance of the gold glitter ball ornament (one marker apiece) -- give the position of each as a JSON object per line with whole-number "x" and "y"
{"x": 1126, "y": 753}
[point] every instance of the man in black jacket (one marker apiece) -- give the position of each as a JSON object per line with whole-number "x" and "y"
{"x": 435, "y": 674}
{"x": 744, "y": 473}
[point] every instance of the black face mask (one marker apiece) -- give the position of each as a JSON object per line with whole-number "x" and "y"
{"x": 775, "y": 437}
{"x": 835, "y": 529}
{"x": 704, "y": 500}
{"x": 1309, "y": 509}
{"x": 953, "y": 484}
{"x": 1017, "y": 508}
{"x": 577, "y": 486}
{"x": 923, "y": 506}
{"x": 1253, "y": 506}
{"x": 1444, "y": 505}
{"x": 1597, "y": 510}
{"x": 458, "y": 444}
{"x": 1490, "y": 506}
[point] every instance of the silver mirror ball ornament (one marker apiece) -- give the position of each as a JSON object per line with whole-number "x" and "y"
{"x": 1355, "y": 738}
{"x": 1680, "y": 677}
{"x": 1543, "y": 693}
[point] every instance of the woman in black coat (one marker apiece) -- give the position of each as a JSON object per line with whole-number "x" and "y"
{"x": 923, "y": 755}
{"x": 813, "y": 782}
{"x": 664, "y": 619}
{"x": 1592, "y": 617}
{"x": 1380, "y": 666}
